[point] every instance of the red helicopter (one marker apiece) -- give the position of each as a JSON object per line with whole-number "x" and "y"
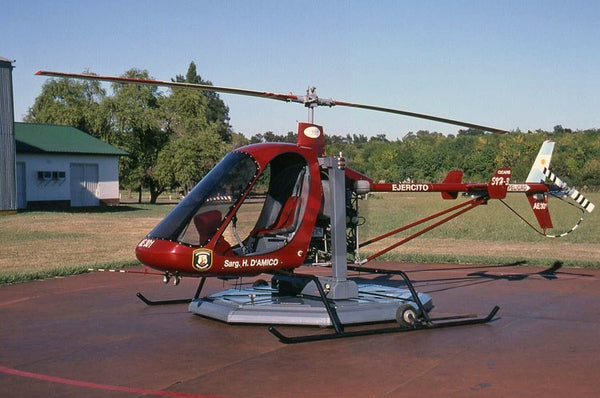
{"x": 273, "y": 207}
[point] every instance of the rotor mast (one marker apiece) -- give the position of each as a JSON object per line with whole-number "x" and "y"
{"x": 311, "y": 102}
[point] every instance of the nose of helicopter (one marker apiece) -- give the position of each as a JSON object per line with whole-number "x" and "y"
{"x": 164, "y": 255}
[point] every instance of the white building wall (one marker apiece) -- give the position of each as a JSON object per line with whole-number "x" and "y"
{"x": 59, "y": 189}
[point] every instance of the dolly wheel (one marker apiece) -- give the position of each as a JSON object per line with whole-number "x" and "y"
{"x": 406, "y": 316}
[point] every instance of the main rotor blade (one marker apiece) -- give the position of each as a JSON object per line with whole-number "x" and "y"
{"x": 309, "y": 100}
{"x": 152, "y": 82}
{"x": 420, "y": 116}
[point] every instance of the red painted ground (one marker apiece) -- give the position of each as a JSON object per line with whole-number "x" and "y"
{"x": 89, "y": 336}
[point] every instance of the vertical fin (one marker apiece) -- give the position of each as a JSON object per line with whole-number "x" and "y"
{"x": 498, "y": 185}
{"x": 539, "y": 205}
{"x": 542, "y": 160}
{"x": 454, "y": 176}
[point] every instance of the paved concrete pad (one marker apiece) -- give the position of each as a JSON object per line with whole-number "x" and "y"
{"x": 88, "y": 335}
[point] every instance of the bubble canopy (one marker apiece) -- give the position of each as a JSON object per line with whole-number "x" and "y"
{"x": 226, "y": 182}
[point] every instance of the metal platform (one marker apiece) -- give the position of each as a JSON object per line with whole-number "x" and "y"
{"x": 263, "y": 305}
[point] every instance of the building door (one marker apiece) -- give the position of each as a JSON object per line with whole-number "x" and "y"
{"x": 21, "y": 184}
{"x": 84, "y": 184}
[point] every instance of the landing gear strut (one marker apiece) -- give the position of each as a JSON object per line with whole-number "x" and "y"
{"x": 167, "y": 278}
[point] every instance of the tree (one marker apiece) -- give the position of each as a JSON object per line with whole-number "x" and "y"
{"x": 198, "y": 123}
{"x": 359, "y": 139}
{"x": 270, "y": 136}
{"x": 238, "y": 140}
{"x": 171, "y": 139}
{"x": 379, "y": 137}
{"x": 137, "y": 127}
{"x": 214, "y": 109}
{"x": 558, "y": 129}
{"x": 186, "y": 159}
{"x": 471, "y": 131}
{"x": 72, "y": 103}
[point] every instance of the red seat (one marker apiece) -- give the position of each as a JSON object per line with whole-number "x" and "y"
{"x": 288, "y": 214}
{"x": 207, "y": 224}
{"x": 286, "y": 221}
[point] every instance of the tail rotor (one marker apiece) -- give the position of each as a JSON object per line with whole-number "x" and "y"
{"x": 564, "y": 189}
{"x": 538, "y": 196}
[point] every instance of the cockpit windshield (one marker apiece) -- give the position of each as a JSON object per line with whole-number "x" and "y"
{"x": 196, "y": 219}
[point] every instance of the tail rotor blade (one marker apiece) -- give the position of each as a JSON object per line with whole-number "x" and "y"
{"x": 571, "y": 192}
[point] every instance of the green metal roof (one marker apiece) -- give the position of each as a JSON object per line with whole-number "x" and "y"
{"x": 50, "y": 138}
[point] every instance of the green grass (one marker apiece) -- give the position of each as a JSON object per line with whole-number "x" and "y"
{"x": 24, "y": 276}
{"x": 36, "y": 245}
{"x": 488, "y": 234}
{"x": 424, "y": 258}
{"x": 17, "y": 236}
{"x": 490, "y": 222}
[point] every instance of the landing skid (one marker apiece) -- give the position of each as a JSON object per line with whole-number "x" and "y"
{"x": 412, "y": 322}
{"x": 421, "y": 323}
{"x": 149, "y": 302}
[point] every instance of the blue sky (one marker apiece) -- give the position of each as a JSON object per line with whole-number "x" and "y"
{"x": 506, "y": 64}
